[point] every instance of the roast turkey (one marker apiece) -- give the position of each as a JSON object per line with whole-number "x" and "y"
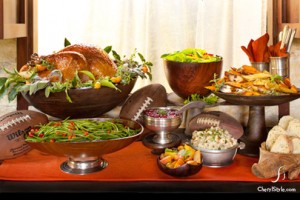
{"x": 97, "y": 59}
{"x": 74, "y": 58}
{"x": 67, "y": 62}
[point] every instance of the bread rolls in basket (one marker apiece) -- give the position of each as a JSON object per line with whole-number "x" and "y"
{"x": 281, "y": 152}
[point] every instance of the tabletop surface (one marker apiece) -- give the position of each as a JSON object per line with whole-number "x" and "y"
{"x": 135, "y": 165}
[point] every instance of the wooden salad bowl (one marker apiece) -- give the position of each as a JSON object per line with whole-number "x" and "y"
{"x": 86, "y": 102}
{"x": 191, "y": 78}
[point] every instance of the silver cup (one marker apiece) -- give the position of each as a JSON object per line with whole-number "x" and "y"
{"x": 280, "y": 66}
{"x": 261, "y": 66}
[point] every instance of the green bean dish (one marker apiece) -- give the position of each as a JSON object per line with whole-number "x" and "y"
{"x": 79, "y": 130}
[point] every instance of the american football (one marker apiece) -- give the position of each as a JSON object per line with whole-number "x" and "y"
{"x": 220, "y": 119}
{"x": 13, "y": 126}
{"x": 153, "y": 95}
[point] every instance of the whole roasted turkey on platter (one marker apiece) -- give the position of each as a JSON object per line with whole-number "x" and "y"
{"x": 75, "y": 66}
{"x": 72, "y": 59}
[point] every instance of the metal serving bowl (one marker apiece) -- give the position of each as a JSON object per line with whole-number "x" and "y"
{"x": 86, "y": 157}
{"x": 220, "y": 158}
{"x": 161, "y": 136}
{"x": 162, "y": 126}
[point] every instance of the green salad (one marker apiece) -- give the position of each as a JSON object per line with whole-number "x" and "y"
{"x": 192, "y": 55}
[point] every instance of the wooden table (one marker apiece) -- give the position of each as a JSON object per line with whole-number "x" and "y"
{"x": 132, "y": 169}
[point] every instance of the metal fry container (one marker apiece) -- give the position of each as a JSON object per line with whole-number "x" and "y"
{"x": 261, "y": 66}
{"x": 280, "y": 66}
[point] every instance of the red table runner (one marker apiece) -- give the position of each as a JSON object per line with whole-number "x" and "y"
{"x": 133, "y": 163}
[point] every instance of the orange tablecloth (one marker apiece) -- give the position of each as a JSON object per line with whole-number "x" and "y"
{"x": 133, "y": 163}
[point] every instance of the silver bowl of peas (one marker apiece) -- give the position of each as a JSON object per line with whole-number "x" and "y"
{"x": 84, "y": 141}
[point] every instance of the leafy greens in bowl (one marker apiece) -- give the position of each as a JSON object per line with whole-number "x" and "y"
{"x": 191, "y": 55}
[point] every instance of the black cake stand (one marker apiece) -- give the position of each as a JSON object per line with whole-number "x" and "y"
{"x": 255, "y": 132}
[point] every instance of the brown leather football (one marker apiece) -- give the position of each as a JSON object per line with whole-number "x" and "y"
{"x": 13, "y": 126}
{"x": 153, "y": 95}
{"x": 220, "y": 119}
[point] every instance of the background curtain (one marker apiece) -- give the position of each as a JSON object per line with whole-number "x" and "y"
{"x": 154, "y": 27}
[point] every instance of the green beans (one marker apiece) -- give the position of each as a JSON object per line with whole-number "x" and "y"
{"x": 79, "y": 130}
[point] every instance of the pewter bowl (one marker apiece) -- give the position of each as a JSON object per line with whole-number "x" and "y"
{"x": 86, "y": 157}
{"x": 162, "y": 128}
{"x": 162, "y": 125}
{"x": 220, "y": 158}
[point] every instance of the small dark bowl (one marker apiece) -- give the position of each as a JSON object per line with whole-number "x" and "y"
{"x": 86, "y": 102}
{"x": 191, "y": 78}
{"x": 182, "y": 171}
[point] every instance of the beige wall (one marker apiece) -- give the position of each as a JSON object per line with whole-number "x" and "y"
{"x": 8, "y": 59}
{"x": 295, "y": 75}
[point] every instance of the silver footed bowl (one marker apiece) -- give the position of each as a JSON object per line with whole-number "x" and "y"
{"x": 162, "y": 120}
{"x": 86, "y": 156}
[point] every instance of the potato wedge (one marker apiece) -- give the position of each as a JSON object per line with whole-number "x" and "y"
{"x": 234, "y": 84}
{"x": 292, "y": 90}
{"x": 254, "y": 77}
{"x": 249, "y": 69}
{"x": 260, "y": 81}
{"x": 197, "y": 156}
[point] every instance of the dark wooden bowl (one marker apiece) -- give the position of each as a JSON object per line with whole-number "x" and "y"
{"x": 86, "y": 102}
{"x": 182, "y": 171}
{"x": 190, "y": 78}
{"x": 267, "y": 100}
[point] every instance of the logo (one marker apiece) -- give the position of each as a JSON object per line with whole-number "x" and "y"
{"x": 278, "y": 175}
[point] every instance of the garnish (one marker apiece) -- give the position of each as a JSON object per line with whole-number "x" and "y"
{"x": 129, "y": 68}
{"x": 210, "y": 99}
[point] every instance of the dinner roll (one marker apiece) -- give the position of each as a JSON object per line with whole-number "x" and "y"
{"x": 293, "y": 128}
{"x": 273, "y": 134}
{"x": 284, "y": 121}
{"x": 296, "y": 145}
{"x": 282, "y": 145}
{"x": 284, "y": 137}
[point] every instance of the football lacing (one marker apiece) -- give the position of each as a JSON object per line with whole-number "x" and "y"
{"x": 208, "y": 121}
{"x": 14, "y": 122}
{"x": 145, "y": 105}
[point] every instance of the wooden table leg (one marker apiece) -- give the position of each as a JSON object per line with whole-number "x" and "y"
{"x": 283, "y": 109}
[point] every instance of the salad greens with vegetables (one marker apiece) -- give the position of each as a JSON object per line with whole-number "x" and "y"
{"x": 193, "y": 55}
